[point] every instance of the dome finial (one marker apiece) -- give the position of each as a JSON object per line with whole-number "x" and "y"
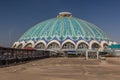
{"x": 65, "y": 14}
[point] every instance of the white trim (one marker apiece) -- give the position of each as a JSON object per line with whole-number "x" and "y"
{"x": 110, "y": 42}
{"x": 16, "y": 43}
{"x": 114, "y": 42}
{"x": 102, "y": 44}
{"x": 41, "y": 41}
{"x": 68, "y": 41}
{"x": 19, "y": 43}
{"x": 53, "y": 41}
{"x": 29, "y": 42}
{"x": 94, "y": 41}
{"x": 23, "y": 44}
{"x": 65, "y": 13}
{"x": 82, "y": 41}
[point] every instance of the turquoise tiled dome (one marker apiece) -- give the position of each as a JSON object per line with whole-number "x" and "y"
{"x": 62, "y": 28}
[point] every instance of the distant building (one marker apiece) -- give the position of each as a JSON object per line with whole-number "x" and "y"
{"x": 64, "y": 32}
{"x": 115, "y": 48}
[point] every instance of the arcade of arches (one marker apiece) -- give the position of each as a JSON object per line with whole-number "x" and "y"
{"x": 67, "y": 45}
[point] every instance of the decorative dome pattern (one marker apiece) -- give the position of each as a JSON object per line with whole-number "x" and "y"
{"x": 64, "y": 32}
{"x": 62, "y": 28}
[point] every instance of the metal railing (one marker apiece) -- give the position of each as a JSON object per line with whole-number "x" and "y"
{"x": 10, "y": 56}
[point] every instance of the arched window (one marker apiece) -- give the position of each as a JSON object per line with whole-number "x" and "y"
{"x": 40, "y": 46}
{"x": 29, "y": 45}
{"x": 68, "y": 45}
{"x": 83, "y": 46}
{"x": 53, "y": 46}
{"x": 95, "y": 46}
{"x": 19, "y": 46}
{"x": 105, "y": 46}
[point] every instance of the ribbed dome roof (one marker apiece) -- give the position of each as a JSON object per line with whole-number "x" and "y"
{"x": 64, "y": 27}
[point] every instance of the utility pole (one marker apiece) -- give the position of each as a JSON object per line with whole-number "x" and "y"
{"x": 9, "y": 40}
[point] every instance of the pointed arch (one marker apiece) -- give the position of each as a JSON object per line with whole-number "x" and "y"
{"x": 40, "y": 44}
{"x": 68, "y": 44}
{"x": 95, "y": 45}
{"x": 105, "y": 45}
{"x": 54, "y": 44}
{"x": 82, "y": 45}
{"x": 15, "y": 44}
{"x": 20, "y": 46}
{"x": 68, "y": 41}
{"x": 29, "y": 44}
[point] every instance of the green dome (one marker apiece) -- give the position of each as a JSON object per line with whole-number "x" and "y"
{"x": 62, "y": 28}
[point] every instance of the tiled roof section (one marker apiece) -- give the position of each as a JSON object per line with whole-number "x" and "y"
{"x": 61, "y": 28}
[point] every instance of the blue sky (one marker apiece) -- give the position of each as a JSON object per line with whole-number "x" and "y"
{"x": 17, "y": 16}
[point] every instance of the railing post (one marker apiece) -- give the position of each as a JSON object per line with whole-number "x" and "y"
{"x": 97, "y": 54}
{"x": 86, "y": 54}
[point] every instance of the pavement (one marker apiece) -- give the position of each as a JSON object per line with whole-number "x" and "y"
{"x": 64, "y": 69}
